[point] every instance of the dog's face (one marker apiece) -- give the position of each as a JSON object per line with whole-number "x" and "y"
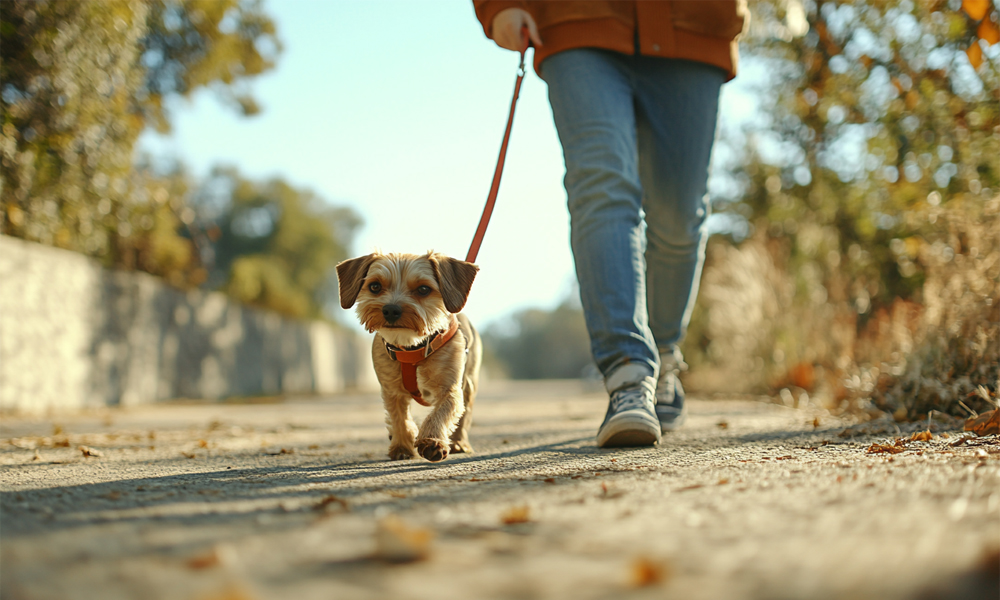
{"x": 405, "y": 297}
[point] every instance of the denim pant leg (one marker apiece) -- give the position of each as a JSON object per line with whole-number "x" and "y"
{"x": 676, "y": 112}
{"x": 592, "y": 101}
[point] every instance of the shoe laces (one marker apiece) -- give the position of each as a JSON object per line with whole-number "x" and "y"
{"x": 636, "y": 396}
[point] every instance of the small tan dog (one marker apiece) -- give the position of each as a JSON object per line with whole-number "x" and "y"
{"x": 422, "y": 350}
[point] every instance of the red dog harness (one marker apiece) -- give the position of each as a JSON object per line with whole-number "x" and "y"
{"x": 408, "y": 358}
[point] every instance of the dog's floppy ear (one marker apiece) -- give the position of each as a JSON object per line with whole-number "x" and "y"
{"x": 350, "y": 275}
{"x": 455, "y": 279}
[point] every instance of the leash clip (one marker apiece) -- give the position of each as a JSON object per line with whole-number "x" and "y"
{"x": 526, "y": 42}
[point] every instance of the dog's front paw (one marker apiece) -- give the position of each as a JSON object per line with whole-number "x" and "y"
{"x": 401, "y": 453}
{"x": 432, "y": 449}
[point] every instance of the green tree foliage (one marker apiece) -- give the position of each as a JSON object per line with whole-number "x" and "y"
{"x": 270, "y": 244}
{"x": 874, "y": 113}
{"x": 541, "y": 344}
{"x": 220, "y": 44}
{"x": 79, "y": 81}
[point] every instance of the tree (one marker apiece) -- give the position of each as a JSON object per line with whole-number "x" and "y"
{"x": 880, "y": 129}
{"x": 874, "y": 112}
{"x": 541, "y": 344}
{"x": 79, "y": 81}
{"x": 272, "y": 245}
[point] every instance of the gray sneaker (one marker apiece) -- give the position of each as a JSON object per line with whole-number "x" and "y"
{"x": 631, "y": 417}
{"x": 670, "y": 409}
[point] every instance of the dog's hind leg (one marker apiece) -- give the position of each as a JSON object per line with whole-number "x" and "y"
{"x": 470, "y": 386}
{"x": 460, "y": 437}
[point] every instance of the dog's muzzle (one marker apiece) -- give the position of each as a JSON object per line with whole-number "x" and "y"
{"x": 392, "y": 313}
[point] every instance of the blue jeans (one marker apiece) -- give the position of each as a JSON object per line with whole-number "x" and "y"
{"x": 637, "y": 134}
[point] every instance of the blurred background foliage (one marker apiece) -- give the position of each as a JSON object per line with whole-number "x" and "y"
{"x": 869, "y": 189}
{"x": 861, "y": 268}
{"x": 79, "y": 82}
{"x": 541, "y": 344}
{"x": 270, "y": 244}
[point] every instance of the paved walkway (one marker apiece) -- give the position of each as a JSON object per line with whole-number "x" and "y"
{"x": 296, "y": 501}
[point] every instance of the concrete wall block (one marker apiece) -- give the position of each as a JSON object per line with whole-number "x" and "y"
{"x": 45, "y": 299}
{"x": 75, "y": 335}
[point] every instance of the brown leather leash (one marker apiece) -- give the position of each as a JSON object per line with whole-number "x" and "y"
{"x": 491, "y": 199}
{"x": 408, "y": 359}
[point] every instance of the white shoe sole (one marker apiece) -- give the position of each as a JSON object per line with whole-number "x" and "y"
{"x": 629, "y": 429}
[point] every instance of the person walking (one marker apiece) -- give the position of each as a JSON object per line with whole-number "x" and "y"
{"x": 634, "y": 89}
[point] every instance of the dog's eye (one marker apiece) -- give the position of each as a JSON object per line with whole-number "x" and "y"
{"x": 423, "y": 290}
{"x": 375, "y": 287}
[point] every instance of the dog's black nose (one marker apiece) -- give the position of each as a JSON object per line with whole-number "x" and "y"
{"x": 392, "y": 312}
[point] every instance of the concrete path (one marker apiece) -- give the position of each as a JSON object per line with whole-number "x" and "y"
{"x": 296, "y": 500}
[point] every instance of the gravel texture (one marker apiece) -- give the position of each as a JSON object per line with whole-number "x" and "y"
{"x": 297, "y": 500}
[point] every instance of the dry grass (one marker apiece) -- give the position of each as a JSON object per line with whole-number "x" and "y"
{"x": 956, "y": 347}
{"x": 772, "y": 331}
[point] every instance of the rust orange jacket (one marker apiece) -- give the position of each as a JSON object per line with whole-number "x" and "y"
{"x": 699, "y": 30}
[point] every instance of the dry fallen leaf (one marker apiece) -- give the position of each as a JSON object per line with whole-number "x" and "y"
{"x": 202, "y": 443}
{"x": 922, "y": 436}
{"x": 987, "y": 423}
{"x": 325, "y": 503}
{"x": 885, "y": 448}
{"x": 645, "y": 572}
{"x": 816, "y": 423}
{"x": 89, "y": 452}
{"x": 608, "y": 492}
{"x": 233, "y": 592}
{"x": 516, "y": 514}
{"x": 960, "y": 441}
{"x": 218, "y": 555}
{"x": 189, "y": 454}
{"x": 397, "y": 542}
{"x": 722, "y": 424}
{"x": 691, "y": 487}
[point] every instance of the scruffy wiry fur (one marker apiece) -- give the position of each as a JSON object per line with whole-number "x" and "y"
{"x": 448, "y": 378}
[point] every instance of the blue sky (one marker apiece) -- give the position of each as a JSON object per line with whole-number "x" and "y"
{"x": 397, "y": 109}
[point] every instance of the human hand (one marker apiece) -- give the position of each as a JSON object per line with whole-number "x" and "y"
{"x": 507, "y": 25}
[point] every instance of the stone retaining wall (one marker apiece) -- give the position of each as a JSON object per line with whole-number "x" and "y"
{"x": 76, "y": 335}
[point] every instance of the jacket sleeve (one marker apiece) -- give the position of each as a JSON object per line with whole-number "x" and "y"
{"x": 487, "y": 9}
